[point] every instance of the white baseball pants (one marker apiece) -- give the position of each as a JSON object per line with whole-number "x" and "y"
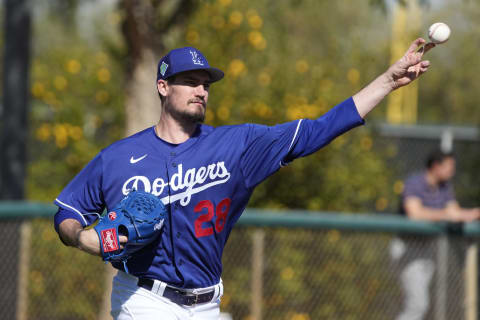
{"x": 131, "y": 302}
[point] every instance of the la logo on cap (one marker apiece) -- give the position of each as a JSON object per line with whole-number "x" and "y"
{"x": 195, "y": 58}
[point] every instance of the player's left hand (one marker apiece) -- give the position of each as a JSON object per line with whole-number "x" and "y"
{"x": 411, "y": 65}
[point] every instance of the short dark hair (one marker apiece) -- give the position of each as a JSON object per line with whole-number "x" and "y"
{"x": 437, "y": 156}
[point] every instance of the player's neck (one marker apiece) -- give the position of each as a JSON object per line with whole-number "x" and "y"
{"x": 170, "y": 130}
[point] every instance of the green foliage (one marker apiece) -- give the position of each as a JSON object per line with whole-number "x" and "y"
{"x": 77, "y": 109}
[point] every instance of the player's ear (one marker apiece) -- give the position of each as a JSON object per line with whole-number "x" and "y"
{"x": 162, "y": 87}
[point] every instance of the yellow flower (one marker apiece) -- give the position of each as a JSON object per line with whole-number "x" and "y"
{"x": 300, "y": 316}
{"x": 381, "y": 204}
{"x": 236, "y": 68}
{"x": 103, "y": 75}
{"x": 236, "y": 18}
{"x": 255, "y": 21}
{"x": 223, "y": 113}
{"x": 75, "y": 132}
{"x": 294, "y": 112}
{"x": 102, "y": 96}
{"x": 60, "y": 83}
{"x": 264, "y": 79}
{"x": 257, "y": 40}
{"x": 301, "y": 66}
{"x": 73, "y": 66}
{"x": 353, "y": 76}
{"x": 311, "y": 111}
{"x": 398, "y": 187}
{"x": 366, "y": 143}
{"x": 263, "y": 110}
{"x": 287, "y": 273}
{"x": 61, "y": 135}
{"x": 38, "y": 89}
{"x": 43, "y": 132}
{"x": 192, "y": 37}
{"x": 333, "y": 236}
{"x": 218, "y": 22}
{"x": 224, "y": 3}
{"x": 209, "y": 117}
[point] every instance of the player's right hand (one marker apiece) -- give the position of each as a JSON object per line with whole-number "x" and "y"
{"x": 410, "y": 66}
{"x": 89, "y": 242}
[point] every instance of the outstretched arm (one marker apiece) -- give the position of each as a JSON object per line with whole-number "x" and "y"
{"x": 400, "y": 74}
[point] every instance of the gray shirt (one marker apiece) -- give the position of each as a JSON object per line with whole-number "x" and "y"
{"x": 435, "y": 197}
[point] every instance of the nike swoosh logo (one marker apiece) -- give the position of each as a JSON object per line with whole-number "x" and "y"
{"x": 133, "y": 160}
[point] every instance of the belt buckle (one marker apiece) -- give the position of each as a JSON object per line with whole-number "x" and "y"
{"x": 190, "y": 299}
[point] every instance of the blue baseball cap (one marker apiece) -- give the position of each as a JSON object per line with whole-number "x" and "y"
{"x": 185, "y": 59}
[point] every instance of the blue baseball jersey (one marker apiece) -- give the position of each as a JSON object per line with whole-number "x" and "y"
{"x": 205, "y": 183}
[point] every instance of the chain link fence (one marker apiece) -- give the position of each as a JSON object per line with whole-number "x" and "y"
{"x": 295, "y": 266}
{"x": 332, "y": 274}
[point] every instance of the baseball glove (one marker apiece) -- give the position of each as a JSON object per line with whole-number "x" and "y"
{"x": 139, "y": 216}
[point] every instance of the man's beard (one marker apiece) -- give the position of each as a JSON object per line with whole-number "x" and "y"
{"x": 184, "y": 116}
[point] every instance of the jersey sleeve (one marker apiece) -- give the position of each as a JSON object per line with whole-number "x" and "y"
{"x": 412, "y": 188}
{"x": 82, "y": 198}
{"x": 269, "y": 148}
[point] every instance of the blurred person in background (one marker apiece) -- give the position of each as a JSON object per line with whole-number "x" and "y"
{"x": 427, "y": 196}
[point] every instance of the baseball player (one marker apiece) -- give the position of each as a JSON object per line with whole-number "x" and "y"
{"x": 204, "y": 176}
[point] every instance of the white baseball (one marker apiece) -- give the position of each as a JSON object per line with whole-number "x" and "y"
{"x": 439, "y": 32}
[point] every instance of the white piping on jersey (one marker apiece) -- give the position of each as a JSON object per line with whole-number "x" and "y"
{"x": 295, "y": 135}
{"x": 293, "y": 140}
{"x": 73, "y": 209}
